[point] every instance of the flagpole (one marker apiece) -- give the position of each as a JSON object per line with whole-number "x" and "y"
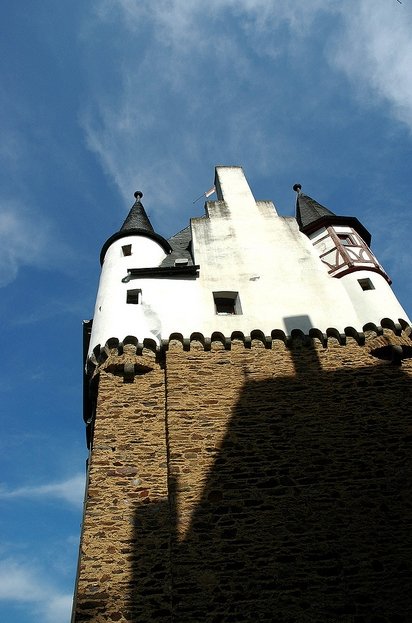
{"x": 206, "y": 194}
{"x": 202, "y": 195}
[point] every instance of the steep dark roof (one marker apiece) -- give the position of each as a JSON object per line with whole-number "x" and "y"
{"x": 311, "y": 215}
{"x": 137, "y": 217}
{"x": 309, "y": 211}
{"x": 181, "y": 244}
{"x": 136, "y": 224}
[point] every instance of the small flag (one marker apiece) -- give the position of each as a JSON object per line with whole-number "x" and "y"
{"x": 206, "y": 194}
{"x": 210, "y": 191}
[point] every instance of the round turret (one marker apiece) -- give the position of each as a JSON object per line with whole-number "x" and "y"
{"x": 120, "y": 307}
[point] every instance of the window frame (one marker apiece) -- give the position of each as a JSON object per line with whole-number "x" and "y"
{"x": 134, "y": 296}
{"x": 227, "y": 303}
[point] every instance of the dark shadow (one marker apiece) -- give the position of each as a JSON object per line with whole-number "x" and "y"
{"x": 150, "y": 550}
{"x": 302, "y": 323}
{"x": 148, "y": 593}
{"x": 305, "y": 515}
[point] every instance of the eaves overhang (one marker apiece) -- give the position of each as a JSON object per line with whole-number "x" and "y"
{"x": 165, "y": 271}
{"x": 349, "y": 221}
{"x": 135, "y": 232}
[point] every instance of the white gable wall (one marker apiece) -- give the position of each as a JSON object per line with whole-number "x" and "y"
{"x": 243, "y": 246}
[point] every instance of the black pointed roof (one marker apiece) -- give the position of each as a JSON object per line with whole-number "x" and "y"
{"x": 137, "y": 223}
{"x": 181, "y": 244}
{"x": 312, "y": 215}
{"x": 137, "y": 217}
{"x": 309, "y": 211}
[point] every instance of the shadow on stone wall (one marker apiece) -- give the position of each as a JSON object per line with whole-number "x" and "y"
{"x": 305, "y": 515}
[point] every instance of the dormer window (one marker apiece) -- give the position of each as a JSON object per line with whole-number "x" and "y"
{"x": 227, "y": 303}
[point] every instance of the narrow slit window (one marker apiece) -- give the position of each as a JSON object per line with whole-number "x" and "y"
{"x": 134, "y": 296}
{"x": 366, "y": 284}
{"x": 127, "y": 249}
{"x": 227, "y": 303}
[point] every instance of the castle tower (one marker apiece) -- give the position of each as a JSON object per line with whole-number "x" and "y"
{"x": 247, "y": 399}
{"x": 342, "y": 244}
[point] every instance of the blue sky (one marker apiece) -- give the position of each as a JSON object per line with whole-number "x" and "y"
{"x": 101, "y": 98}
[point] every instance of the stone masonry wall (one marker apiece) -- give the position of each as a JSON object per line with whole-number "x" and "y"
{"x": 251, "y": 484}
{"x": 124, "y": 561}
{"x": 291, "y": 473}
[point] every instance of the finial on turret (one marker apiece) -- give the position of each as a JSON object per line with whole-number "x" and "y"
{"x": 297, "y": 188}
{"x": 137, "y": 223}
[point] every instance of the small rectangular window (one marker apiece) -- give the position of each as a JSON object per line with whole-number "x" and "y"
{"x": 227, "y": 303}
{"x": 133, "y": 296}
{"x": 366, "y": 284}
{"x": 346, "y": 240}
{"x": 127, "y": 249}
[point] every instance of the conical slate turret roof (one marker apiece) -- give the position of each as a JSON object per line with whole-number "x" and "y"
{"x": 137, "y": 217}
{"x": 308, "y": 210}
{"x": 310, "y": 215}
{"x": 137, "y": 223}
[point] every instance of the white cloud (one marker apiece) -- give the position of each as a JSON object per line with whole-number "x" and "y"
{"x": 24, "y": 584}
{"x": 27, "y": 238}
{"x": 57, "y": 608}
{"x": 12, "y": 148}
{"x": 23, "y": 240}
{"x": 375, "y": 51}
{"x": 118, "y": 143}
{"x": 190, "y": 85}
{"x": 178, "y": 22}
{"x": 70, "y": 490}
{"x": 20, "y": 584}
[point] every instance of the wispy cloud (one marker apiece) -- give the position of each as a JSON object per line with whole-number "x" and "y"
{"x": 216, "y": 57}
{"x": 391, "y": 244}
{"x": 28, "y": 235}
{"x": 70, "y": 490}
{"x": 23, "y": 240}
{"x": 197, "y": 59}
{"x": 27, "y": 238}
{"x": 45, "y": 310}
{"x": 179, "y": 22}
{"x": 27, "y": 586}
{"x": 375, "y": 51}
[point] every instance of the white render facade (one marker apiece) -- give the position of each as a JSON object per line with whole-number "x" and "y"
{"x": 241, "y": 268}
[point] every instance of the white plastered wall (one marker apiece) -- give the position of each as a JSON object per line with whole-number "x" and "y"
{"x": 243, "y": 246}
{"x": 113, "y": 316}
{"x": 372, "y": 305}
